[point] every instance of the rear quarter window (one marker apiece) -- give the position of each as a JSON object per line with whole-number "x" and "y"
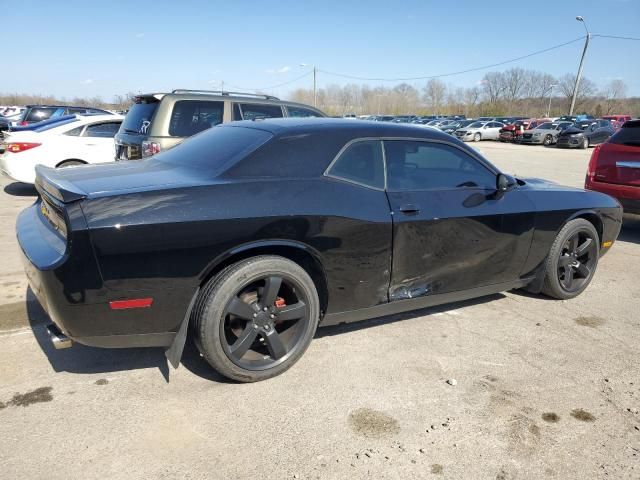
{"x": 194, "y": 116}
{"x": 300, "y": 112}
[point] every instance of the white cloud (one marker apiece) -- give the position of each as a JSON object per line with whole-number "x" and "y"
{"x": 88, "y": 81}
{"x": 284, "y": 69}
{"x": 139, "y": 35}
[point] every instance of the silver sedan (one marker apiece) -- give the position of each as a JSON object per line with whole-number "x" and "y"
{"x": 479, "y": 131}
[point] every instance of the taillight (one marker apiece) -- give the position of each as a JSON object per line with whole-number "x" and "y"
{"x": 591, "y": 169}
{"x": 21, "y": 147}
{"x": 150, "y": 148}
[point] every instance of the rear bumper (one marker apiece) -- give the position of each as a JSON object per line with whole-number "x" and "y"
{"x": 627, "y": 195}
{"x": 71, "y": 291}
{"x": 20, "y": 171}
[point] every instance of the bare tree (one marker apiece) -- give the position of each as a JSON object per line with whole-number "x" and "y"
{"x": 434, "y": 94}
{"x": 493, "y": 86}
{"x": 514, "y": 82}
{"x": 586, "y": 89}
{"x": 615, "y": 90}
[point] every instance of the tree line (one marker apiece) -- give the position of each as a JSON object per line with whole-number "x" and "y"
{"x": 512, "y": 92}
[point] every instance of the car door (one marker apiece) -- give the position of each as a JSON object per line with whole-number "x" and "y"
{"x": 96, "y": 141}
{"x": 451, "y": 230}
{"x": 492, "y": 130}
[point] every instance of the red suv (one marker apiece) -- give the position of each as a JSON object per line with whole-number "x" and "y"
{"x": 614, "y": 167}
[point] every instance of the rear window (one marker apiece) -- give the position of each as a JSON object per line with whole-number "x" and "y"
{"x": 43, "y": 113}
{"x": 215, "y": 149}
{"x": 301, "y": 155}
{"x": 629, "y": 134}
{"x": 55, "y": 125}
{"x": 139, "y": 117}
{"x": 194, "y": 116}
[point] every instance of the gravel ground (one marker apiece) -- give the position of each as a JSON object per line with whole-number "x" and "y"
{"x": 543, "y": 388}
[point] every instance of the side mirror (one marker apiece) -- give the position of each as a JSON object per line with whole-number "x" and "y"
{"x": 504, "y": 183}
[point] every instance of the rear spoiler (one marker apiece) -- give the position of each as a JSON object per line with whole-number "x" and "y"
{"x": 55, "y": 185}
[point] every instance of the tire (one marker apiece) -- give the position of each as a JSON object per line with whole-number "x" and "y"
{"x": 268, "y": 343}
{"x": 585, "y": 143}
{"x": 70, "y": 163}
{"x": 563, "y": 255}
{"x": 477, "y": 137}
{"x": 548, "y": 140}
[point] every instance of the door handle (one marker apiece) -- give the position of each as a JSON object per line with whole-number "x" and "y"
{"x": 409, "y": 209}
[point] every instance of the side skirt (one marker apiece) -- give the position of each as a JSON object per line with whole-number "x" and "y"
{"x": 400, "y": 306}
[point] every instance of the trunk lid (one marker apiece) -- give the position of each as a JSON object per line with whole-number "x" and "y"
{"x": 618, "y": 164}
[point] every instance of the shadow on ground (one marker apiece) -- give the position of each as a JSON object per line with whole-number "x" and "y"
{"x": 18, "y": 189}
{"x": 81, "y": 359}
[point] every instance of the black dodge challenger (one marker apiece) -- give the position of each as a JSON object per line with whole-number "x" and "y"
{"x": 255, "y": 233}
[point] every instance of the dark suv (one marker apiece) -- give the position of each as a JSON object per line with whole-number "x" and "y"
{"x": 158, "y": 121}
{"x": 37, "y": 113}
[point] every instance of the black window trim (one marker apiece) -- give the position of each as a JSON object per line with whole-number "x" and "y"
{"x": 491, "y": 168}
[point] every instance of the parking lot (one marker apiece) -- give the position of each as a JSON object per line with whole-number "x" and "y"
{"x": 543, "y": 388}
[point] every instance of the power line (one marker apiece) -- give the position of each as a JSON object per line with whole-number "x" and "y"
{"x": 427, "y": 77}
{"x": 617, "y": 37}
{"x": 275, "y": 86}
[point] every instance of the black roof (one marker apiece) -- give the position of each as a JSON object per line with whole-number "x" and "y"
{"x": 358, "y": 128}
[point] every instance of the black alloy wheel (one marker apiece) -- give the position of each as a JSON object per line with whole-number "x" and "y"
{"x": 572, "y": 260}
{"x": 256, "y": 318}
{"x": 577, "y": 261}
{"x": 264, "y": 322}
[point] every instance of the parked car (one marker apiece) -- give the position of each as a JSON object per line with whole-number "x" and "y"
{"x": 37, "y": 113}
{"x": 73, "y": 142}
{"x": 159, "y": 121}
{"x": 614, "y": 167}
{"x": 514, "y": 131}
{"x": 544, "y": 134}
{"x": 478, "y": 130}
{"x": 451, "y": 128}
{"x": 254, "y": 233}
{"x": 617, "y": 120}
{"x": 575, "y": 137}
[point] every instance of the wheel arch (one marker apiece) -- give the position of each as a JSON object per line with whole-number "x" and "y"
{"x": 591, "y": 216}
{"x": 302, "y": 254}
{"x": 67, "y": 160}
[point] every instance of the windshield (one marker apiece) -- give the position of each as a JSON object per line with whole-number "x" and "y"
{"x": 476, "y": 125}
{"x": 546, "y": 126}
{"x": 139, "y": 117}
{"x": 216, "y": 149}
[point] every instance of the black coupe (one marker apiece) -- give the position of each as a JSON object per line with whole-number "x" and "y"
{"x": 252, "y": 234}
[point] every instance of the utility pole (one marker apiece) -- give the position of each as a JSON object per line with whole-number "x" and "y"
{"x": 584, "y": 52}
{"x": 315, "y": 97}
{"x": 550, "y": 95}
{"x": 222, "y": 86}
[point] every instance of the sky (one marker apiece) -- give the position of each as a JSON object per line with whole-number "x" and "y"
{"x": 84, "y": 48}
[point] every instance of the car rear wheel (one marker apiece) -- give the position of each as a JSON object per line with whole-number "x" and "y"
{"x": 547, "y": 140}
{"x": 477, "y": 137}
{"x": 255, "y": 319}
{"x": 572, "y": 260}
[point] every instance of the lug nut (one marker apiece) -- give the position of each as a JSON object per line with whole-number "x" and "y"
{"x": 255, "y": 315}
{"x": 265, "y": 309}
{"x": 267, "y": 327}
{"x": 272, "y": 316}
{"x": 255, "y": 327}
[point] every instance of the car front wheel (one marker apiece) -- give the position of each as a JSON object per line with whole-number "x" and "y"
{"x": 256, "y": 318}
{"x": 547, "y": 140}
{"x": 572, "y": 260}
{"x": 477, "y": 137}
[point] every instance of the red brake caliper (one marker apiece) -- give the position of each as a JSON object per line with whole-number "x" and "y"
{"x": 279, "y": 303}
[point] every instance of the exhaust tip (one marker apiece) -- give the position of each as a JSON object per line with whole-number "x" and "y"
{"x": 59, "y": 339}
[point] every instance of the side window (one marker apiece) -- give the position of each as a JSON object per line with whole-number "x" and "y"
{"x": 413, "y": 165}
{"x": 301, "y": 112}
{"x": 256, "y": 111}
{"x": 74, "y": 132}
{"x": 193, "y": 116}
{"x": 80, "y": 111}
{"x": 236, "y": 112}
{"x": 362, "y": 163}
{"x": 103, "y": 130}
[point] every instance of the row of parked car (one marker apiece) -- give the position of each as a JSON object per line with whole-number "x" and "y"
{"x": 63, "y": 136}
